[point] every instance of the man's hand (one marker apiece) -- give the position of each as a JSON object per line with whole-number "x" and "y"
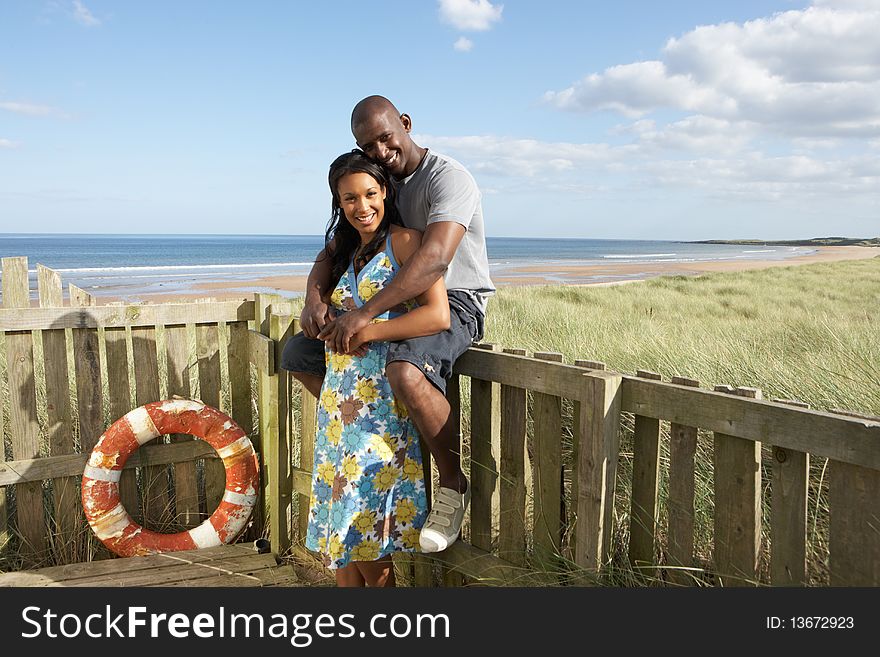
{"x": 314, "y": 318}
{"x": 339, "y": 332}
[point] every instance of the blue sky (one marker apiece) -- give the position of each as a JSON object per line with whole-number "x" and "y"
{"x": 640, "y": 120}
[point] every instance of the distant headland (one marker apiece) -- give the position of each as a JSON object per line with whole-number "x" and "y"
{"x": 816, "y": 241}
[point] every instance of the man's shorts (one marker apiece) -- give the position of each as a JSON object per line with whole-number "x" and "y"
{"x": 434, "y": 355}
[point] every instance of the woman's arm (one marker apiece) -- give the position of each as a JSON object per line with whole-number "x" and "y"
{"x": 432, "y": 314}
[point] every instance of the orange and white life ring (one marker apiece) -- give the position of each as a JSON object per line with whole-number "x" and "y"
{"x": 100, "y": 485}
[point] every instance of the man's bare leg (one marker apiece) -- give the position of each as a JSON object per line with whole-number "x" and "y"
{"x": 312, "y": 382}
{"x": 430, "y": 411}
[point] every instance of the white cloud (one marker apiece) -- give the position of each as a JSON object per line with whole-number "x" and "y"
{"x": 83, "y": 16}
{"x": 6, "y": 143}
{"x": 28, "y": 109}
{"x": 805, "y": 73}
{"x": 470, "y": 15}
{"x": 686, "y": 155}
{"x": 529, "y": 158}
{"x": 463, "y": 44}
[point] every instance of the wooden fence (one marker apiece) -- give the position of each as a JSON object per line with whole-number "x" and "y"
{"x": 575, "y": 472}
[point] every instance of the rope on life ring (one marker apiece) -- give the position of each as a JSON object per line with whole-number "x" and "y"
{"x": 100, "y": 484}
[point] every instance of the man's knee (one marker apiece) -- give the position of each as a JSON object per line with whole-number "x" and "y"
{"x": 304, "y": 377}
{"x": 404, "y": 377}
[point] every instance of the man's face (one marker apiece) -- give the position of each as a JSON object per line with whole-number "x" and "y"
{"x": 384, "y": 137}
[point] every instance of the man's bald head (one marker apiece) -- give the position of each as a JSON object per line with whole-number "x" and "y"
{"x": 372, "y": 106}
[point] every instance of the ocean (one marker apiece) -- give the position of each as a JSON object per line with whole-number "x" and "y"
{"x": 133, "y": 266}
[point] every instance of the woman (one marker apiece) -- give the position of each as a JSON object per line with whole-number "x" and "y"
{"x": 368, "y": 491}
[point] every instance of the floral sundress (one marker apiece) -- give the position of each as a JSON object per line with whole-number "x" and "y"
{"x": 368, "y": 489}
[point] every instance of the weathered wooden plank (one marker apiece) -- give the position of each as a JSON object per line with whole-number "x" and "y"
{"x": 192, "y": 573}
{"x": 27, "y": 319}
{"x": 450, "y": 577}
{"x": 267, "y": 576}
{"x": 737, "y": 467}
{"x": 208, "y": 359}
{"x": 485, "y": 443}
{"x": 180, "y": 572}
{"x": 788, "y": 515}
{"x": 512, "y": 516}
{"x": 590, "y": 364}
{"x": 120, "y": 400}
{"x": 186, "y": 492}
{"x": 242, "y": 400}
{"x": 239, "y": 375}
{"x": 49, "y": 287}
{"x": 547, "y": 475}
{"x": 548, "y": 377}
{"x": 682, "y": 451}
{"x": 854, "y": 541}
{"x": 84, "y": 570}
{"x": 155, "y": 485}
{"x": 68, "y": 465}
{"x": 79, "y": 297}
{"x": 29, "y": 521}
{"x": 805, "y": 430}
{"x": 261, "y": 352}
{"x": 644, "y": 505}
{"x": 16, "y": 290}
{"x": 595, "y": 466}
{"x": 87, "y": 366}
{"x": 277, "y": 450}
{"x": 65, "y": 491}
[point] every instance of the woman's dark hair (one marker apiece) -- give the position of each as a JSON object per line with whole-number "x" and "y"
{"x": 344, "y": 237}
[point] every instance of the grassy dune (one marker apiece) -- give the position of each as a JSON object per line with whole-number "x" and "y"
{"x": 809, "y": 332}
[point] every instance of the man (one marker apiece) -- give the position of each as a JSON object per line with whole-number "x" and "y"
{"x": 439, "y": 197}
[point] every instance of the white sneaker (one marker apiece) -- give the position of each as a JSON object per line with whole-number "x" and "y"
{"x": 444, "y": 522}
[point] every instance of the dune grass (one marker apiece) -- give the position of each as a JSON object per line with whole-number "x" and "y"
{"x": 809, "y": 332}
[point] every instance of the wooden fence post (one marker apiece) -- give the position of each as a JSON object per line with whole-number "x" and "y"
{"x": 186, "y": 493}
{"x": 854, "y": 533}
{"x": 595, "y": 468}
{"x": 645, "y": 480}
{"x": 29, "y": 521}
{"x": 682, "y": 450}
{"x": 512, "y": 515}
{"x": 547, "y": 476}
{"x": 449, "y": 576}
{"x": 277, "y": 445}
{"x": 65, "y": 490}
{"x": 485, "y": 456}
{"x": 788, "y": 514}
{"x": 208, "y": 357}
{"x": 737, "y": 468}
{"x": 267, "y": 401}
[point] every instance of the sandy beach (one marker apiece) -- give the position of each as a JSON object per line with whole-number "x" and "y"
{"x": 542, "y": 274}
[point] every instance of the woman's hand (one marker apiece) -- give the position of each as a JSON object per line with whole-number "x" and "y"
{"x": 358, "y": 344}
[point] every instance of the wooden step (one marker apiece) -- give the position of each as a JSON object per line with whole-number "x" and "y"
{"x": 225, "y": 565}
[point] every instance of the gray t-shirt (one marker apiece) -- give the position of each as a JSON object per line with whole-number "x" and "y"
{"x": 441, "y": 189}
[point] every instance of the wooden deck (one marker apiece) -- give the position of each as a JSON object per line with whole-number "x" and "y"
{"x": 225, "y": 565}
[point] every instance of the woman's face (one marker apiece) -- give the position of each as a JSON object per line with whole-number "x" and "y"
{"x": 362, "y": 199}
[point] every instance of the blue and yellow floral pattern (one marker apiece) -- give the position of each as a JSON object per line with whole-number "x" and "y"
{"x": 368, "y": 489}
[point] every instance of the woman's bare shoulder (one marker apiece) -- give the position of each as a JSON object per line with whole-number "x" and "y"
{"x": 405, "y": 242}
